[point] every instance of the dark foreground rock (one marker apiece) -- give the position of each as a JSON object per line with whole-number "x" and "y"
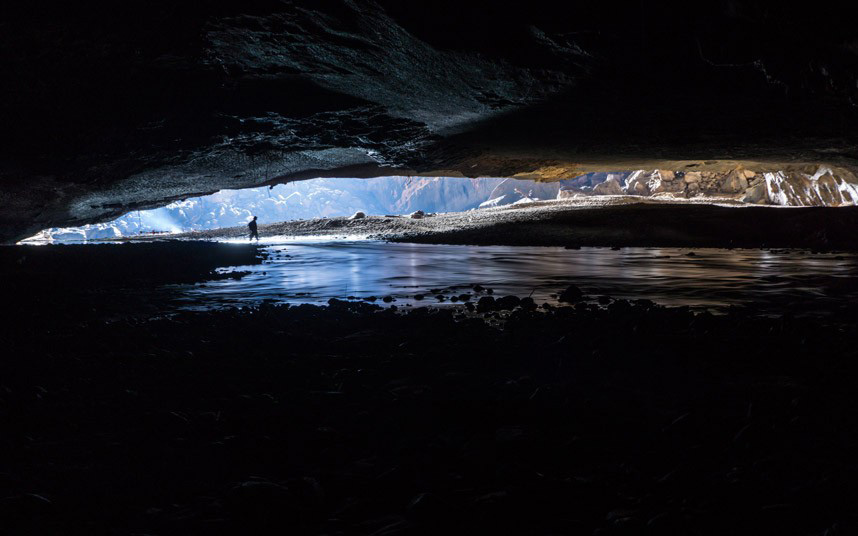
{"x": 66, "y": 267}
{"x": 357, "y": 419}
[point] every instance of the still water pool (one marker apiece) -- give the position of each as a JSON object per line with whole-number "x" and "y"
{"x": 296, "y": 272}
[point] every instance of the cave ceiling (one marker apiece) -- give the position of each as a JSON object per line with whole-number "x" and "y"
{"x": 105, "y": 110}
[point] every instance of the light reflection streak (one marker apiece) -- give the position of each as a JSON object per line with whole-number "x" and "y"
{"x": 313, "y": 272}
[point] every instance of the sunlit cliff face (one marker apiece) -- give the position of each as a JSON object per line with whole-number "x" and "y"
{"x": 114, "y": 110}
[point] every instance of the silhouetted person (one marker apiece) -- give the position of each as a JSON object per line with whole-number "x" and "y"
{"x": 253, "y": 230}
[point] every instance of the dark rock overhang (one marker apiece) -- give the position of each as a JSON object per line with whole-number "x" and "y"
{"x": 108, "y": 110}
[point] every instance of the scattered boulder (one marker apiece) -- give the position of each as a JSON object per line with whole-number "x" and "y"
{"x": 666, "y": 176}
{"x": 662, "y": 186}
{"x": 387, "y": 299}
{"x": 734, "y": 182}
{"x": 417, "y": 215}
{"x": 755, "y": 194}
{"x": 357, "y": 216}
{"x": 419, "y": 297}
{"x": 710, "y": 182}
{"x": 610, "y": 187}
{"x": 464, "y": 297}
{"x": 692, "y": 189}
{"x": 507, "y": 302}
{"x": 527, "y": 304}
{"x": 637, "y": 184}
{"x": 486, "y": 304}
{"x": 572, "y": 294}
{"x": 691, "y": 177}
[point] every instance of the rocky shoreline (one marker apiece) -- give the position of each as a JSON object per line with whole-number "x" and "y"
{"x": 606, "y": 221}
{"x": 496, "y": 414}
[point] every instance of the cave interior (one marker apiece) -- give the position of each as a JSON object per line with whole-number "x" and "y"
{"x": 127, "y": 407}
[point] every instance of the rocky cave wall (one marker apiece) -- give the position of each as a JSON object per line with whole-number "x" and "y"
{"x": 106, "y": 110}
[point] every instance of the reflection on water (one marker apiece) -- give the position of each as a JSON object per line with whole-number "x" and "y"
{"x": 313, "y": 272}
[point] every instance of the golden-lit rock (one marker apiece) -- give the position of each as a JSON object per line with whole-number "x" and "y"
{"x": 692, "y": 176}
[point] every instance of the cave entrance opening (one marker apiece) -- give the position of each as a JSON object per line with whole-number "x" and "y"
{"x": 310, "y": 199}
{"x": 315, "y": 199}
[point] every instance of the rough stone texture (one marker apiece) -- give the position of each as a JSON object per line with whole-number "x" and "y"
{"x": 692, "y": 176}
{"x": 755, "y": 194}
{"x": 666, "y": 175}
{"x": 821, "y": 186}
{"x": 662, "y": 181}
{"x": 109, "y": 110}
{"x": 637, "y": 183}
{"x": 734, "y": 182}
{"x": 610, "y": 187}
{"x": 692, "y": 190}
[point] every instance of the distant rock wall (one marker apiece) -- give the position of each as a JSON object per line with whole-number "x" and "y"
{"x": 825, "y": 187}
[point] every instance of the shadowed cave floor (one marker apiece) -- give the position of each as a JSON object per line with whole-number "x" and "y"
{"x": 352, "y": 419}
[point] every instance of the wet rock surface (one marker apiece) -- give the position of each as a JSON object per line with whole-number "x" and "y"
{"x": 355, "y": 419}
{"x": 73, "y": 268}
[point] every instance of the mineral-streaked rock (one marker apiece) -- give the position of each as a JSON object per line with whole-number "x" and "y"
{"x": 734, "y": 182}
{"x": 609, "y": 187}
{"x": 755, "y": 194}
{"x": 637, "y": 184}
{"x": 666, "y": 175}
